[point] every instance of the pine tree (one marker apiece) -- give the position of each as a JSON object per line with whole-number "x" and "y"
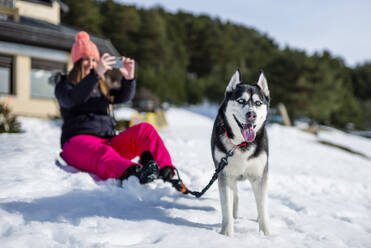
{"x": 83, "y": 15}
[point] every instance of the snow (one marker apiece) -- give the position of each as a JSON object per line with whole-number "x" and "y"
{"x": 319, "y": 196}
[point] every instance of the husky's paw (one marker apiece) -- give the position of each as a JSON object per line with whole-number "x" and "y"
{"x": 235, "y": 215}
{"x": 265, "y": 230}
{"x": 227, "y": 231}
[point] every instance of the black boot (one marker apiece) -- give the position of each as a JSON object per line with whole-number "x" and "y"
{"x": 131, "y": 171}
{"x": 150, "y": 169}
{"x": 149, "y": 172}
{"x": 145, "y": 173}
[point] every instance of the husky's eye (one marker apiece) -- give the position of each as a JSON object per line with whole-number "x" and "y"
{"x": 258, "y": 103}
{"x": 241, "y": 101}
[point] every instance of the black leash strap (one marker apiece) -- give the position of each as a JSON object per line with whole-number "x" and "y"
{"x": 179, "y": 185}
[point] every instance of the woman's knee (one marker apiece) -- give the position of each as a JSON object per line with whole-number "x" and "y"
{"x": 146, "y": 126}
{"x": 146, "y": 129}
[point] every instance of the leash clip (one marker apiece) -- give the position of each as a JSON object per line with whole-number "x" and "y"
{"x": 229, "y": 153}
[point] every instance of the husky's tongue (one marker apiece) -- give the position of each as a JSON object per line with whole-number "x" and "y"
{"x": 248, "y": 133}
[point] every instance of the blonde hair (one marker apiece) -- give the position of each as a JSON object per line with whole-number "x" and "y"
{"x": 77, "y": 73}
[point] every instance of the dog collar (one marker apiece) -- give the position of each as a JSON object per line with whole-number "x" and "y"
{"x": 226, "y": 133}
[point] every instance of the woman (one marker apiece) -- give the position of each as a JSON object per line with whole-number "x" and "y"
{"x": 88, "y": 138}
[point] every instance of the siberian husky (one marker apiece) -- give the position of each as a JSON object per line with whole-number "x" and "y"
{"x": 240, "y": 127}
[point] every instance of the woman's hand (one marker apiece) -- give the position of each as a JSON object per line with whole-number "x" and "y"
{"x": 105, "y": 63}
{"x": 128, "y": 71}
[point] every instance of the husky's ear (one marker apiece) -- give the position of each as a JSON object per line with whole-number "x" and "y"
{"x": 236, "y": 79}
{"x": 263, "y": 84}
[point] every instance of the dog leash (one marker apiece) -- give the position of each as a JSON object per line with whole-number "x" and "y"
{"x": 179, "y": 185}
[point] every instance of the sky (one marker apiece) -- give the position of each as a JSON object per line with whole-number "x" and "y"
{"x": 339, "y": 26}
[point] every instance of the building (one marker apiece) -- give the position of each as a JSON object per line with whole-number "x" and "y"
{"x": 33, "y": 44}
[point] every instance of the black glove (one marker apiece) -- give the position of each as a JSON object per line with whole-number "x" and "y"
{"x": 166, "y": 173}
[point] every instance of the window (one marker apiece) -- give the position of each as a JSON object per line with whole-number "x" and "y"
{"x": 6, "y": 75}
{"x": 41, "y": 70}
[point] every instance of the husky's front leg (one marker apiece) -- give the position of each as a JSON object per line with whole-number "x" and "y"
{"x": 226, "y": 200}
{"x": 259, "y": 187}
{"x": 235, "y": 200}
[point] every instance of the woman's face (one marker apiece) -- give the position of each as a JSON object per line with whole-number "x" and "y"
{"x": 88, "y": 63}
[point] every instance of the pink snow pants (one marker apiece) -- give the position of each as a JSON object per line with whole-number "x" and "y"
{"x": 110, "y": 158}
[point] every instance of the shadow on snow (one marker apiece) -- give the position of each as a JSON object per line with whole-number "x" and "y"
{"x": 77, "y": 205}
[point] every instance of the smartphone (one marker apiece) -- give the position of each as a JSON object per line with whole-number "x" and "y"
{"x": 118, "y": 63}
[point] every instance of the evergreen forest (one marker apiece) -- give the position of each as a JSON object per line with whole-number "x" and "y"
{"x": 185, "y": 59}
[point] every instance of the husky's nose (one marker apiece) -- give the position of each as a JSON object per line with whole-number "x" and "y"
{"x": 251, "y": 115}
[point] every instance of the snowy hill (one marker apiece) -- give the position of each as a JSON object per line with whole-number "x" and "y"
{"x": 319, "y": 196}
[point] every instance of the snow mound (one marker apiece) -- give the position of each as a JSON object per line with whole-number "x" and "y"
{"x": 319, "y": 196}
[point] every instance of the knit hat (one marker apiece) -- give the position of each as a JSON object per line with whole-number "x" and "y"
{"x": 83, "y": 47}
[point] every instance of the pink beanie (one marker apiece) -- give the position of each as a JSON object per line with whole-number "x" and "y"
{"x": 83, "y": 47}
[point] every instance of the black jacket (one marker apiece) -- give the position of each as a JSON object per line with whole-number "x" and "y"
{"x": 85, "y": 110}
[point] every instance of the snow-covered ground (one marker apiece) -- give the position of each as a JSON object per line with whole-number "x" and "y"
{"x": 319, "y": 196}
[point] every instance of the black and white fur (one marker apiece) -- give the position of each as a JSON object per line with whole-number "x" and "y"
{"x": 244, "y": 106}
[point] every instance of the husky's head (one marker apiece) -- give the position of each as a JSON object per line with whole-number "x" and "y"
{"x": 246, "y": 107}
